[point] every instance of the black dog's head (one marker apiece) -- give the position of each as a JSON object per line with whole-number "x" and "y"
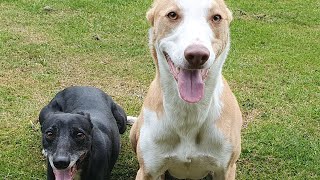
{"x": 66, "y": 140}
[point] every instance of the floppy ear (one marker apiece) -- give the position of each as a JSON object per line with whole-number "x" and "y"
{"x": 150, "y": 16}
{"x": 87, "y": 116}
{"x": 120, "y": 116}
{"x": 82, "y": 113}
{"x": 229, "y": 14}
{"x": 49, "y": 109}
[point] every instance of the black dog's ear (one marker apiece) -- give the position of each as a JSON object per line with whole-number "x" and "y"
{"x": 87, "y": 116}
{"x": 82, "y": 113}
{"x": 51, "y": 108}
{"x": 120, "y": 117}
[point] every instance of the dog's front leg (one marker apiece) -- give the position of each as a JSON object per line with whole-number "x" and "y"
{"x": 231, "y": 172}
{"x": 50, "y": 174}
{"x": 141, "y": 175}
{"x": 219, "y": 175}
{"x": 96, "y": 172}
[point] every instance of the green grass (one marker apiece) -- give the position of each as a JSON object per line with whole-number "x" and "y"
{"x": 273, "y": 68}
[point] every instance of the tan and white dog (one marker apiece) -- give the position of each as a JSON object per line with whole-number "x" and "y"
{"x": 190, "y": 121}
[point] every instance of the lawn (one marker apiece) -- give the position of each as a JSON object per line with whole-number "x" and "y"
{"x": 273, "y": 68}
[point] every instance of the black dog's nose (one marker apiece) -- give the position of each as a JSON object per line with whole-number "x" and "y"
{"x": 61, "y": 162}
{"x": 196, "y": 55}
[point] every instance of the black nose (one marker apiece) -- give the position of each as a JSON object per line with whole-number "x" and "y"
{"x": 61, "y": 162}
{"x": 196, "y": 55}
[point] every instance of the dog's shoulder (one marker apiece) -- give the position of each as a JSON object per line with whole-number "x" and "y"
{"x": 230, "y": 120}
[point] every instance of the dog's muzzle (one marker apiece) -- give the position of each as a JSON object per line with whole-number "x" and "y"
{"x": 190, "y": 78}
{"x": 196, "y": 55}
{"x": 61, "y": 162}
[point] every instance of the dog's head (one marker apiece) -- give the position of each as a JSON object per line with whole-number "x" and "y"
{"x": 190, "y": 40}
{"x": 66, "y": 140}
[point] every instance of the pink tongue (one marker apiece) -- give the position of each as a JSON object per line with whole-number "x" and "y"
{"x": 63, "y": 174}
{"x": 191, "y": 86}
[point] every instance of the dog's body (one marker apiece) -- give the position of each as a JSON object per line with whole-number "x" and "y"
{"x": 80, "y": 128}
{"x": 190, "y": 122}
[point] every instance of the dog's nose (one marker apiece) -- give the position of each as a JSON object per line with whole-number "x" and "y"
{"x": 196, "y": 55}
{"x": 61, "y": 162}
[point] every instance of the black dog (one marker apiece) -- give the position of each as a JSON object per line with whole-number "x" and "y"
{"x": 80, "y": 131}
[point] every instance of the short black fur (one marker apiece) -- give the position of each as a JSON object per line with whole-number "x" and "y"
{"x": 82, "y": 124}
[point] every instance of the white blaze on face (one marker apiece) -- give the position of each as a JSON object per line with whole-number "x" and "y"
{"x": 194, "y": 29}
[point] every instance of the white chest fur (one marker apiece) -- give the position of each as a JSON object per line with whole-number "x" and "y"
{"x": 185, "y": 145}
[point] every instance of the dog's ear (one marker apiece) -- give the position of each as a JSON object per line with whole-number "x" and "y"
{"x": 229, "y": 15}
{"x": 87, "y": 116}
{"x": 120, "y": 116}
{"x": 150, "y": 16}
{"x": 44, "y": 117}
{"x": 44, "y": 114}
{"x": 82, "y": 113}
{"x": 51, "y": 108}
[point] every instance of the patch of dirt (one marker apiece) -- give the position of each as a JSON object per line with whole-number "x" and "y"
{"x": 30, "y": 35}
{"x": 249, "y": 116}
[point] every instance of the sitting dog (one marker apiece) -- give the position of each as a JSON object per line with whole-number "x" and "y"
{"x": 80, "y": 131}
{"x": 189, "y": 126}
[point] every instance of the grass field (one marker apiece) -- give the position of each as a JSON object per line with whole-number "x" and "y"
{"x": 273, "y": 69}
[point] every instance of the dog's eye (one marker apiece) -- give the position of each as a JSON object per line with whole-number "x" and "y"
{"x": 172, "y": 15}
{"x": 216, "y": 18}
{"x": 81, "y": 135}
{"x": 49, "y": 135}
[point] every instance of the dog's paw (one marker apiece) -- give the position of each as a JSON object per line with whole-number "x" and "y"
{"x": 131, "y": 120}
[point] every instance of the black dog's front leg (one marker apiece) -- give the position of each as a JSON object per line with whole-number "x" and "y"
{"x": 50, "y": 174}
{"x": 96, "y": 169}
{"x": 95, "y": 175}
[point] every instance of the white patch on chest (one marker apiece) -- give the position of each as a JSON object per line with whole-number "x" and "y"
{"x": 184, "y": 141}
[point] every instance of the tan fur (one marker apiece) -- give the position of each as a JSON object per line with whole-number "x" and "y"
{"x": 157, "y": 14}
{"x": 230, "y": 123}
{"x": 218, "y": 29}
{"x": 230, "y": 120}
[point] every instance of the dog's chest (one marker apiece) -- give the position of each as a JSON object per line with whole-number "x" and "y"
{"x": 186, "y": 153}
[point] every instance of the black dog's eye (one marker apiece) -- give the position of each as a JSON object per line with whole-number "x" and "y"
{"x": 80, "y": 135}
{"x": 216, "y": 18}
{"x": 49, "y": 135}
{"x": 172, "y": 15}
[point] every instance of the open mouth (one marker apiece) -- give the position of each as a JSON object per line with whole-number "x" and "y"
{"x": 65, "y": 174}
{"x": 190, "y": 81}
{"x": 70, "y": 172}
